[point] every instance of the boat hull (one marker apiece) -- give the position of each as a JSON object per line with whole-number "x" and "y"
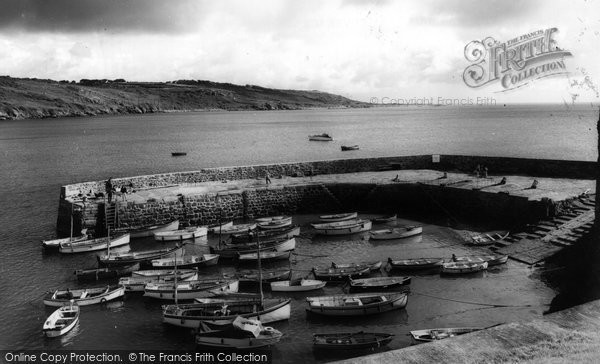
{"x": 305, "y": 285}
{"x": 463, "y": 268}
{"x": 241, "y": 344}
{"x": 193, "y": 262}
{"x": 138, "y": 283}
{"x": 215, "y": 229}
{"x": 55, "y": 243}
{"x": 391, "y": 303}
{"x": 389, "y": 234}
{"x": 415, "y": 264}
{"x": 61, "y": 321}
{"x": 91, "y": 275}
{"x": 168, "y": 293}
{"x": 338, "y": 217}
{"x": 135, "y": 257}
{"x": 345, "y": 230}
{"x": 108, "y": 295}
{"x": 150, "y": 230}
{"x": 378, "y": 284}
{"x": 180, "y": 235}
{"x": 351, "y": 341}
{"x": 85, "y": 246}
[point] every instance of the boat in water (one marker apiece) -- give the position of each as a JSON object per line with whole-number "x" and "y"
{"x": 232, "y": 251}
{"x": 98, "y": 274}
{"x": 463, "y": 267}
{"x": 320, "y": 137}
{"x": 61, "y": 321}
{"x": 297, "y": 285}
{"x": 277, "y": 222}
{"x": 138, "y": 283}
{"x": 83, "y": 297}
{"x": 341, "y": 274}
{"x": 378, "y": 283}
{"x": 265, "y": 256}
{"x": 92, "y": 245}
{"x": 384, "y": 219}
{"x": 147, "y": 231}
{"x": 191, "y": 232}
{"x": 237, "y": 229}
{"x": 286, "y": 232}
{"x": 55, "y": 243}
{"x": 241, "y": 334}
{"x": 356, "y": 304}
{"x": 349, "y": 147}
{"x": 416, "y": 263}
{"x": 214, "y": 229}
{"x": 187, "y": 261}
{"x": 491, "y": 259}
{"x": 127, "y": 258}
{"x": 396, "y": 233}
{"x": 345, "y": 227}
{"x": 252, "y": 276}
{"x": 188, "y": 290}
{"x": 351, "y": 340}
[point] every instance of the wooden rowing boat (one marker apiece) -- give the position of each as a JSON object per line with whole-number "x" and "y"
{"x": 491, "y": 259}
{"x": 237, "y": 229}
{"x": 147, "y": 231}
{"x": 241, "y": 334}
{"x": 297, "y": 285}
{"x": 55, "y": 243}
{"x": 267, "y": 276}
{"x": 373, "y": 267}
{"x": 349, "y": 147}
{"x": 162, "y": 273}
{"x": 138, "y": 283}
{"x": 463, "y": 267}
{"x": 91, "y": 245}
{"x": 61, "y": 321}
{"x": 275, "y": 222}
{"x": 396, "y": 233}
{"x": 340, "y": 274}
{"x": 287, "y": 232}
{"x": 189, "y": 290}
{"x": 98, "y": 274}
{"x": 351, "y": 340}
{"x": 265, "y": 256}
{"x": 191, "y": 232}
{"x": 441, "y": 333}
{"x": 356, "y": 304}
{"x": 414, "y": 264}
{"x": 113, "y": 259}
{"x": 188, "y": 261}
{"x": 232, "y": 251}
{"x": 345, "y": 227}
{"x": 338, "y": 217}
{"x": 83, "y": 297}
{"x": 224, "y": 311}
{"x": 378, "y": 283}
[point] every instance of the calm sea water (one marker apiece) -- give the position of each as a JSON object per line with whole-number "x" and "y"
{"x": 38, "y": 156}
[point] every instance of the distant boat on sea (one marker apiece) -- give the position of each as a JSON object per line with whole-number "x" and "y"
{"x": 320, "y": 138}
{"x": 178, "y": 154}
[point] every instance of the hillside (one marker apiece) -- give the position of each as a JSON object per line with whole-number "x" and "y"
{"x": 34, "y": 98}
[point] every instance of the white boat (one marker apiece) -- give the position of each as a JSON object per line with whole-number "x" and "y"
{"x": 191, "y": 232}
{"x": 338, "y": 217}
{"x": 83, "y": 297}
{"x": 61, "y": 321}
{"x": 297, "y": 285}
{"x": 190, "y": 289}
{"x": 240, "y": 334}
{"x": 491, "y": 259}
{"x": 224, "y": 311}
{"x": 162, "y": 273}
{"x": 55, "y": 243}
{"x": 275, "y": 223}
{"x": 236, "y": 229}
{"x": 85, "y": 246}
{"x": 396, "y": 233}
{"x": 343, "y": 227}
{"x": 441, "y": 333}
{"x": 463, "y": 267}
{"x": 265, "y": 256}
{"x": 126, "y": 258}
{"x": 147, "y": 231}
{"x": 415, "y": 263}
{"x": 214, "y": 229}
{"x": 233, "y": 251}
{"x": 187, "y": 261}
{"x": 320, "y": 137}
{"x": 356, "y": 304}
{"x": 138, "y": 283}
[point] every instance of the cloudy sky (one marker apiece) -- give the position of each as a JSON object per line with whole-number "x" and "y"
{"x": 360, "y": 49}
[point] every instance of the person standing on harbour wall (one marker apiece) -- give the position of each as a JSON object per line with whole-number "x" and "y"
{"x": 267, "y": 178}
{"x": 109, "y": 188}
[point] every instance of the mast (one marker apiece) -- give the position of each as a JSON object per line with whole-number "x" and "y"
{"x": 71, "y": 236}
{"x": 259, "y": 271}
{"x": 176, "y": 274}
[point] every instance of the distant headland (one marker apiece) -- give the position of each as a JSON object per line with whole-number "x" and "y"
{"x": 30, "y": 98}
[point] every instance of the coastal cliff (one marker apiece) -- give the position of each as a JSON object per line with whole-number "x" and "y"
{"x": 35, "y": 98}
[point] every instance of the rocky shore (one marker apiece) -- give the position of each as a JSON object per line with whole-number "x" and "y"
{"x": 35, "y": 98}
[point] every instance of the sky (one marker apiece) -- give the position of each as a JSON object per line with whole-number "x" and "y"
{"x": 382, "y": 51}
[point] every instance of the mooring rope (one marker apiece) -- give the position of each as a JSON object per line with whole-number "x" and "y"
{"x": 475, "y": 303}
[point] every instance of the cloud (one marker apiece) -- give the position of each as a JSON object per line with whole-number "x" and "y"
{"x": 94, "y": 15}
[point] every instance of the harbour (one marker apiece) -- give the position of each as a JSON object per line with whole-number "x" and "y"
{"x": 428, "y": 302}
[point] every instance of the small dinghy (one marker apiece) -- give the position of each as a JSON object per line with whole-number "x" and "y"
{"x": 116, "y": 259}
{"x": 138, "y": 283}
{"x": 232, "y": 251}
{"x": 188, "y": 290}
{"x": 373, "y": 267}
{"x": 286, "y": 232}
{"x": 91, "y": 245}
{"x": 55, "y": 243}
{"x": 345, "y": 227}
{"x": 98, "y": 274}
{"x": 414, "y": 264}
{"x": 191, "y": 232}
{"x": 463, "y": 267}
{"x": 267, "y": 276}
{"x": 341, "y": 274}
{"x": 237, "y": 229}
{"x": 443, "y": 333}
{"x": 491, "y": 259}
{"x": 240, "y": 334}
{"x": 265, "y": 256}
{"x": 397, "y": 233}
{"x": 165, "y": 274}
{"x": 83, "y": 297}
{"x": 188, "y": 261}
{"x": 297, "y": 285}
{"x": 378, "y": 283}
{"x": 320, "y": 137}
{"x": 62, "y": 320}
{"x": 349, "y": 147}
{"x": 277, "y": 222}
{"x": 356, "y": 304}
{"x": 338, "y": 217}
{"x": 351, "y": 340}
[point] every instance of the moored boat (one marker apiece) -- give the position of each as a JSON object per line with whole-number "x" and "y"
{"x": 61, "y": 321}
{"x": 138, "y": 283}
{"x": 232, "y": 251}
{"x": 441, "y": 333}
{"x": 187, "y": 261}
{"x": 178, "y": 154}
{"x": 97, "y": 274}
{"x": 413, "y": 264}
{"x": 275, "y": 223}
{"x": 189, "y": 290}
{"x": 214, "y": 229}
{"x": 147, "y": 231}
{"x": 285, "y": 232}
{"x": 191, "y": 232}
{"x": 265, "y": 256}
{"x": 378, "y": 283}
{"x": 91, "y": 245}
{"x": 83, "y": 297}
{"x": 491, "y": 259}
{"x": 336, "y": 274}
{"x": 297, "y": 285}
{"x": 163, "y": 273}
{"x": 463, "y": 267}
{"x": 349, "y": 147}
{"x": 113, "y": 259}
{"x": 267, "y": 276}
{"x": 373, "y": 266}
{"x": 343, "y": 227}
{"x": 55, "y": 243}
{"x": 356, "y": 304}
{"x": 384, "y": 219}
{"x": 351, "y": 340}
{"x": 240, "y": 334}
{"x": 320, "y": 137}
{"x": 338, "y": 217}
{"x": 396, "y": 233}
{"x": 224, "y": 311}
{"x": 237, "y": 229}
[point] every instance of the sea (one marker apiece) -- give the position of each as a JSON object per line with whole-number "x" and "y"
{"x": 39, "y": 156}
